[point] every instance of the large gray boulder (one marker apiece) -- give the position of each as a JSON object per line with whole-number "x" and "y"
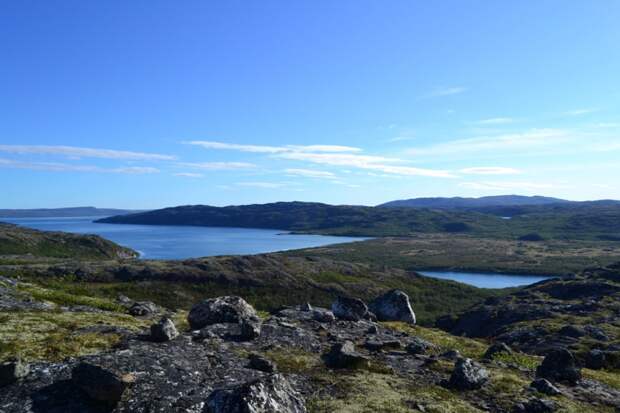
{"x": 100, "y": 384}
{"x": 270, "y": 394}
{"x": 164, "y": 330}
{"x": 468, "y": 375}
{"x": 350, "y": 309}
{"x": 559, "y": 365}
{"x": 228, "y": 309}
{"x": 393, "y": 306}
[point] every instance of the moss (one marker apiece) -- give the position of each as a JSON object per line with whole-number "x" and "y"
{"x": 610, "y": 378}
{"x": 55, "y": 335}
{"x": 466, "y": 346}
{"x": 293, "y": 360}
{"x": 66, "y": 299}
{"x": 519, "y": 359}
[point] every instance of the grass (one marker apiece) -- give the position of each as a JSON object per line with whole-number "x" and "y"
{"x": 63, "y": 298}
{"x": 38, "y": 335}
{"x": 610, "y": 378}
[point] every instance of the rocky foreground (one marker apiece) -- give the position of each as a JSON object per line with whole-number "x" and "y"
{"x": 354, "y": 357}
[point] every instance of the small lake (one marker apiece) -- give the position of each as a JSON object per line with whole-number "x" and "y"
{"x": 486, "y": 280}
{"x": 180, "y": 242}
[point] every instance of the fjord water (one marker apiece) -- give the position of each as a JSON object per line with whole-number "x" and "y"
{"x": 486, "y": 280}
{"x": 180, "y": 242}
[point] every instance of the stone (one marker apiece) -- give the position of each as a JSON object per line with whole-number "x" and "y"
{"x": 468, "y": 375}
{"x": 393, "y": 306}
{"x": 351, "y": 309}
{"x": 572, "y": 331}
{"x": 98, "y": 383}
{"x": 323, "y": 316}
{"x": 372, "y": 330}
{"x": 228, "y": 309}
{"x": 305, "y": 307}
{"x": 595, "y": 359}
{"x": 597, "y": 333}
{"x": 164, "y": 330}
{"x": 545, "y": 386}
{"x": 12, "y": 371}
{"x": 380, "y": 345}
{"x": 451, "y": 355}
{"x": 535, "y": 406}
{"x": 250, "y": 328}
{"x": 258, "y": 362}
{"x": 418, "y": 346}
{"x": 271, "y": 394}
{"x": 344, "y": 356}
{"x": 143, "y": 308}
{"x": 497, "y": 348}
{"x": 559, "y": 365}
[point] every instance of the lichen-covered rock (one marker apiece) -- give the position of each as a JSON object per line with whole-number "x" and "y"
{"x": 559, "y": 365}
{"x": 497, "y": 348}
{"x": 418, "y": 346}
{"x": 271, "y": 394}
{"x": 393, "y": 306}
{"x": 322, "y": 315}
{"x": 164, "y": 330}
{"x": 228, "y": 309}
{"x": 351, "y": 309}
{"x": 143, "y": 308}
{"x": 250, "y": 328}
{"x": 344, "y": 356}
{"x": 98, "y": 383}
{"x": 12, "y": 371}
{"x": 545, "y": 386}
{"x": 468, "y": 375}
{"x": 535, "y": 406}
{"x": 381, "y": 345}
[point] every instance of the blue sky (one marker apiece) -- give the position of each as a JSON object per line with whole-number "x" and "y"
{"x": 147, "y": 104}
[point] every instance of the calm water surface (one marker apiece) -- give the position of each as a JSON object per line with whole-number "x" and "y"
{"x": 486, "y": 280}
{"x": 179, "y": 242}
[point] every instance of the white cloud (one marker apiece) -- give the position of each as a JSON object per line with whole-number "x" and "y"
{"x": 62, "y": 167}
{"x": 309, "y": 173}
{"x": 490, "y": 170}
{"x": 495, "y": 121}
{"x": 79, "y": 152}
{"x": 446, "y": 91}
{"x": 272, "y": 149}
{"x": 218, "y": 166}
{"x": 266, "y": 185}
{"x": 189, "y": 174}
{"x": 579, "y": 112}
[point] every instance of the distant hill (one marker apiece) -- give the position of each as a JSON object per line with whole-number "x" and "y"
{"x": 313, "y": 217}
{"x": 21, "y": 241}
{"x": 63, "y": 212}
{"x": 485, "y": 201}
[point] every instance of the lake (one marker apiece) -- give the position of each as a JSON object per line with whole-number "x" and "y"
{"x": 180, "y": 242}
{"x": 486, "y": 280}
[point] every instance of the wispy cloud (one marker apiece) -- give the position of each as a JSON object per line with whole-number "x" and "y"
{"x": 79, "y": 152}
{"x": 189, "y": 174}
{"x": 490, "y": 170}
{"x": 218, "y": 166}
{"x": 495, "y": 121}
{"x": 309, "y": 173}
{"x": 446, "y": 91}
{"x": 272, "y": 149}
{"x": 579, "y": 112}
{"x": 266, "y": 185}
{"x": 63, "y": 167}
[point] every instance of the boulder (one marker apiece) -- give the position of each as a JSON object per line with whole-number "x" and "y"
{"x": 228, "y": 309}
{"x": 322, "y": 315}
{"x": 143, "y": 308}
{"x": 351, "y": 309}
{"x": 535, "y": 406}
{"x": 258, "y": 362}
{"x": 100, "y": 384}
{"x": 164, "y": 330}
{"x": 468, "y": 375}
{"x": 344, "y": 356}
{"x": 559, "y": 365}
{"x": 270, "y": 394}
{"x": 12, "y": 371}
{"x": 250, "y": 328}
{"x": 572, "y": 331}
{"x": 393, "y": 306}
{"x": 545, "y": 386}
{"x": 418, "y": 346}
{"x": 595, "y": 359}
{"x": 380, "y": 345}
{"x": 497, "y": 348}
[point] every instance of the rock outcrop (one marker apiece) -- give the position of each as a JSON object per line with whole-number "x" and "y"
{"x": 350, "y": 309}
{"x": 100, "y": 384}
{"x": 393, "y": 306}
{"x": 229, "y": 309}
{"x": 559, "y": 365}
{"x": 344, "y": 356}
{"x": 12, "y": 371}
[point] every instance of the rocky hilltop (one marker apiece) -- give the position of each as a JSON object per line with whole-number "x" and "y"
{"x": 224, "y": 356}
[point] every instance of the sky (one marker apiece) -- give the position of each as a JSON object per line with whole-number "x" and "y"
{"x": 147, "y": 104}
